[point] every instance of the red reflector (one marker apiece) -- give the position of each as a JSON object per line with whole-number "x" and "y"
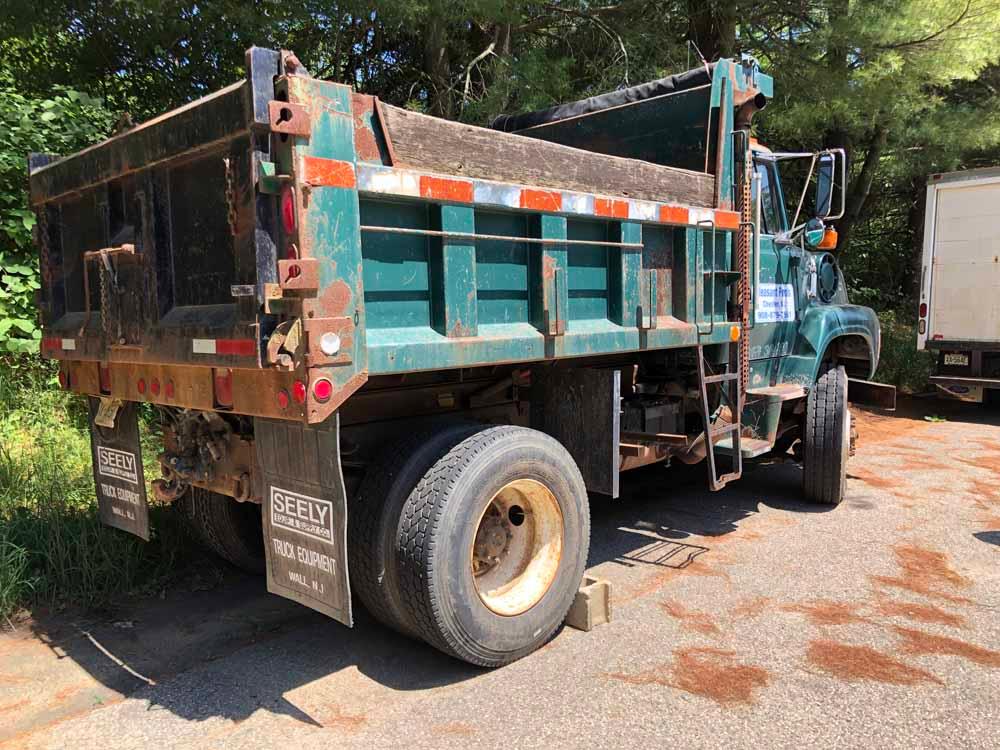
{"x": 322, "y": 390}
{"x": 283, "y": 400}
{"x": 299, "y": 391}
{"x": 141, "y": 386}
{"x": 104, "y": 373}
{"x": 923, "y": 309}
{"x": 63, "y": 380}
{"x": 169, "y": 389}
{"x": 154, "y": 387}
{"x": 223, "y": 387}
{"x": 239, "y": 347}
{"x": 288, "y": 210}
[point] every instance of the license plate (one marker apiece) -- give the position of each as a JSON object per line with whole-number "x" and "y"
{"x": 956, "y": 359}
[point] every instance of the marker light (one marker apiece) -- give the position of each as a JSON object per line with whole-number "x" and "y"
{"x": 283, "y": 399}
{"x": 923, "y": 309}
{"x": 288, "y": 210}
{"x": 141, "y": 385}
{"x": 299, "y": 392}
{"x": 154, "y": 387}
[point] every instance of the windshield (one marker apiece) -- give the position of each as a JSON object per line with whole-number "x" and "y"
{"x": 771, "y": 214}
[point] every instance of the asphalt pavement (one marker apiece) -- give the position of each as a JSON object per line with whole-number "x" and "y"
{"x": 745, "y": 618}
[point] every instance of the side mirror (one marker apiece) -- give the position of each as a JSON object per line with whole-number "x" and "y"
{"x": 814, "y": 233}
{"x": 825, "y": 179}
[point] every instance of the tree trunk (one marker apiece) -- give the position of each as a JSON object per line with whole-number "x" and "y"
{"x": 437, "y": 65}
{"x": 712, "y": 27}
{"x": 860, "y": 187}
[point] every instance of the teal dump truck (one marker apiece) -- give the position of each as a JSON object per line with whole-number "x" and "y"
{"x": 392, "y": 354}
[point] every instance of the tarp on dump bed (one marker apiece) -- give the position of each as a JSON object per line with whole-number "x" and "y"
{"x": 671, "y": 84}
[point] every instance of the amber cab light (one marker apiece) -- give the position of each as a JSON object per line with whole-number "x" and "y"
{"x": 322, "y": 390}
{"x": 829, "y": 241}
{"x": 288, "y": 210}
{"x": 299, "y": 392}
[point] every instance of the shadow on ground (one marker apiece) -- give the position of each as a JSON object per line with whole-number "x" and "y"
{"x": 666, "y": 517}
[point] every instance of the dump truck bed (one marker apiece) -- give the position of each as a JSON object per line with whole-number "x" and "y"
{"x": 287, "y": 231}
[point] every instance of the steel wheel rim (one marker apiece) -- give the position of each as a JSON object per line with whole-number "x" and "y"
{"x": 517, "y": 547}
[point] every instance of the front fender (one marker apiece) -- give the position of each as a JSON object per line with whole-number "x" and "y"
{"x": 822, "y": 324}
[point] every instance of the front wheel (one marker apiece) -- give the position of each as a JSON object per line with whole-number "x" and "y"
{"x": 827, "y": 439}
{"x": 492, "y": 545}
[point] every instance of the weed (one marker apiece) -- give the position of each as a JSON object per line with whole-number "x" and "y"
{"x": 53, "y": 548}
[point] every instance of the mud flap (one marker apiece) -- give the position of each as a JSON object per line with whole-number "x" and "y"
{"x": 305, "y": 514}
{"x": 117, "y": 460}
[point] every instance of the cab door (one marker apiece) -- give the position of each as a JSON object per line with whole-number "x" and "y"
{"x": 776, "y": 303}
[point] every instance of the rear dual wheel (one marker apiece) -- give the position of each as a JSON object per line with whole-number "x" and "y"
{"x": 490, "y": 543}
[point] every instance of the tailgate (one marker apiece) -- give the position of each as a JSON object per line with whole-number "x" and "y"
{"x": 965, "y": 271}
{"x": 154, "y": 244}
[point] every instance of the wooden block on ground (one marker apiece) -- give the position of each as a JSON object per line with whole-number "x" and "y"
{"x": 592, "y": 604}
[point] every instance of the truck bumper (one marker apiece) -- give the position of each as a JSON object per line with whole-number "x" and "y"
{"x": 964, "y": 389}
{"x": 867, "y": 393}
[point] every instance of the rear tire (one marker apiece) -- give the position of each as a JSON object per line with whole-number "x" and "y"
{"x": 373, "y": 518}
{"x": 231, "y": 529}
{"x": 827, "y": 439}
{"x": 492, "y": 545}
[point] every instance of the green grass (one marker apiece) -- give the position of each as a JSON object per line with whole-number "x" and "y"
{"x": 900, "y": 363}
{"x": 53, "y": 548}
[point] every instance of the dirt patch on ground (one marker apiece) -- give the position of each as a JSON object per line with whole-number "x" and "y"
{"x": 879, "y": 429}
{"x": 990, "y": 463}
{"x": 454, "y": 729}
{"x": 987, "y": 445}
{"x": 920, "y": 613}
{"x": 853, "y": 663}
{"x": 926, "y": 572}
{"x": 826, "y": 612}
{"x": 751, "y": 607}
{"x": 699, "y": 622}
{"x": 709, "y": 672}
{"x": 984, "y": 494}
{"x": 873, "y": 480}
{"x": 333, "y": 717}
{"x": 14, "y": 706}
{"x": 921, "y": 643}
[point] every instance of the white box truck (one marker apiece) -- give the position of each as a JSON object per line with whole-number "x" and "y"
{"x": 959, "y": 313}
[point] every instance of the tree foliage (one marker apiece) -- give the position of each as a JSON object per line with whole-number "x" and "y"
{"x": 906, "y": 87}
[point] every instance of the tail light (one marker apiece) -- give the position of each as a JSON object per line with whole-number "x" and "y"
{"x": 141, "y": 385}
{"x": 154, "y": 387}
{"x": 283, "y": 399}
{"x": 299, "y": 392}
{"x": 923, "y": 309}
{"x": 322, "y": 390}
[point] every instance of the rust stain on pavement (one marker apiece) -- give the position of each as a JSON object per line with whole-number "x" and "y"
{"x": 924, "y": 571}
{"x": 920, "y": 613}
{"x": 853, "y": 663}
{"x": 707, "y": 672}
{"x": 921, "y": 643}
{"x": 826, "y": 612}
{"x": 699, "y": 622}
